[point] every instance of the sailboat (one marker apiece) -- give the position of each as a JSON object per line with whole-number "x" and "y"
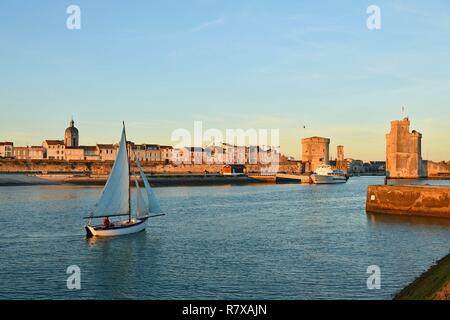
{"x": 115, "y": 200}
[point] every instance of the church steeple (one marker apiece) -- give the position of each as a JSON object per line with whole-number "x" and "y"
{"x": 71, "y": 137}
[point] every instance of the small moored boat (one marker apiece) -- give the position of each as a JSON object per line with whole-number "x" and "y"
{"x": 324, "y": 174}
{"x": 115, "y": 200}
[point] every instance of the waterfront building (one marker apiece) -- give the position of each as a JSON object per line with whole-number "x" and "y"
{"x": 21, "y": 153}
{"x": 29, "y": 153}
{"x": 233, "y": 154}
{"x": 6, "y": 149}
{"x": 107, "y": 152}
{"x": 74, "y": 153}
{"x": 196, "y": 154}
{"x": 101, "y": 152}
{"x": 90, "y": 153}
{"x": 189, "y": 155}
{"x": 268, "y": 156}
{"x": 214, "y": 154}
{"x": 54, "y": 149}
{"x": 146, "y": 152}
{"x": 229, "y": 153}
{"x": 36, "y": 153}
{"x": 377, "y": 166}
{"x": 176, "y": 156}
{"x": 181, "y": 155}
{"x": 166, "y": 153}
{"x": 252, "y": 154}
{"x": 315, "y": 151}
{"x": 355, "y": 167}
{"x": 239, "y": 155}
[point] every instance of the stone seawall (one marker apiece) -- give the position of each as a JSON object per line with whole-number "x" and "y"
{"x": 104, "y": 167}
{"x": 23, "y": 180}
{"x": 409, "y": 200}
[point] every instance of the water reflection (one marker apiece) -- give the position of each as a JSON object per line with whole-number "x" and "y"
{"x": 116, "y": 261}
{"x": 104, "y": 242}
{"x": 58, "y": 193}
{"x": 375, "y": 218}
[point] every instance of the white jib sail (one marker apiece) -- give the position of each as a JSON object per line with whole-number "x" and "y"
{"x": 153, "y": 205}
{"x": 141, "y": 207}
{"x": 114, "y": 198}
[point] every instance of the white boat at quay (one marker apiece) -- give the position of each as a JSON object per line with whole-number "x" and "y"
{"x": 324, "y": 174}
{"x": 115, "y": 200}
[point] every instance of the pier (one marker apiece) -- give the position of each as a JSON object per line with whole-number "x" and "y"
{"x": 409, "y": 200}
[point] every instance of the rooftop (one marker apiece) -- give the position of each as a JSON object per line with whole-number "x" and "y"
{"x": 54, "y": 142}
{"x": 316, "y": 138}
{"x": 105, "y": 146}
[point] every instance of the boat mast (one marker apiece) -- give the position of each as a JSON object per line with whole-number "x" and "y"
{"x": 129, "y": 175}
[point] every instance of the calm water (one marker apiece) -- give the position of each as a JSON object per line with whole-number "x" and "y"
{"x": 231, "y": 242}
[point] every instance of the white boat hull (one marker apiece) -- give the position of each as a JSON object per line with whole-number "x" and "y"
{"x": 120, "y": 228}
{"x": 328, "y": 179}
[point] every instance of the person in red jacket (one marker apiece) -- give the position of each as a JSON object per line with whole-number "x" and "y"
{"x": 106, "y": 222}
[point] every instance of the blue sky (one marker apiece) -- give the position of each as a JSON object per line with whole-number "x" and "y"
{"x": 160, "y": 65}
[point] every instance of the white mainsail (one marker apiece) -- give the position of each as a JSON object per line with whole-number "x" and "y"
{"x": 115, "y": 195}
{"x": 141, "y": 207}
{"x": 153, "y": 205}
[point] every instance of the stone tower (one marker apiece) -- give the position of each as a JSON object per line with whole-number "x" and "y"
{"x": 340, "y": 153}
{"x": 341, "y": 164}
{"x": 71, "y": 137}
{"x": 315, "y": 151}
{"x": 403, "y": 151}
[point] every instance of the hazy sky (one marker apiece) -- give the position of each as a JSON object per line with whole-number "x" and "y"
{"x": 160, "y": 65}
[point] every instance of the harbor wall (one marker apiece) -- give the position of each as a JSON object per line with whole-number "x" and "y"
{"x": 104, "y": 167}
{"x": 409, "y": 200}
